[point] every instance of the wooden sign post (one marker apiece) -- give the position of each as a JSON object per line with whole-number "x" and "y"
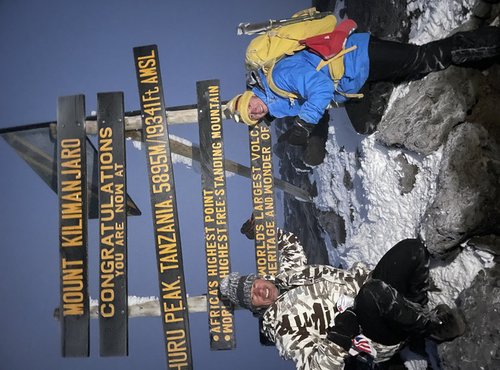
{"x": 164, "y": 207}
{"x": 113, "y": 296}
{"x": 215, "y": 213}
{"x": 71, "y": 164}
{"x": 266, "y": 253}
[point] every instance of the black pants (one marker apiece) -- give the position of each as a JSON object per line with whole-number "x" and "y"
{"x": 397, "y": 62}
{"x": 391, "y": 306}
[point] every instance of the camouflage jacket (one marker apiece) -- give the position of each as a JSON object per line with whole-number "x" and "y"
{"x": 298, "y": 321}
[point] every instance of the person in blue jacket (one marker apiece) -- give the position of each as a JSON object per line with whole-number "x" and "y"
{"x": 372, "y": 60}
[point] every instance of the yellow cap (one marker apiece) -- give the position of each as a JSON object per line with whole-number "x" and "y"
{"x": 238, "y": 108}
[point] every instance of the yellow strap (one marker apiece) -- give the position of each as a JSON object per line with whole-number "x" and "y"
{"x": 347, "y": 95}
{"x": 337, "y": 59}
{"x": 337, "y": 69}
{"x": 275, "y": 89}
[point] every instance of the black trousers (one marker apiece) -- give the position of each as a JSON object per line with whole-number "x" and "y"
{"x": 397, "y": 62}
{"x": 391, "y": 306}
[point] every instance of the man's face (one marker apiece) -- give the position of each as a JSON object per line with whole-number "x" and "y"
{"x": 264, "y": 293}
{"x": 257, "y": 109}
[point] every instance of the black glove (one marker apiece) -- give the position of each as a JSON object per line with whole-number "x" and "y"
{"x": 298, "y": 133}
{"x": 248, "y": 228}
{"x": 345, "y": 329}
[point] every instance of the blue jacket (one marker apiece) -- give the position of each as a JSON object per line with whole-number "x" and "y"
{"x": 297, "y": 74}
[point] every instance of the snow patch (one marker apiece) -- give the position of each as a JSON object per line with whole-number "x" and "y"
{"x": 437, "y": 18}
{"x": 375, "y": 212}
{"x": 453, "y": 277}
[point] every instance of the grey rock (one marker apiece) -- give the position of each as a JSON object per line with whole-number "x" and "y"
{"x": 422, "y": 119}
{"x": 334, "y": 225}
{"x": 481, "y": 10}
{"x": 479, "y": 347}
{"x": 468, "y": 196}
{"x": 408, "y": 174}
{"x": 347, "y": 180}
{"x": 383, "y": 18}
{"x": 487, "y": 243}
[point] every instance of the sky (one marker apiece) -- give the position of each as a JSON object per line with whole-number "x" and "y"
{"x": 55, "y": 48}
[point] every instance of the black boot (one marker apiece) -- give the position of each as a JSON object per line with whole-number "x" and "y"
{"x": 447, "y": 324}
{"x": 477, "y": 46}
{"x": 315, "y": 149}
{"x": 387, "y": 317}
{"x": 397, "y": 62}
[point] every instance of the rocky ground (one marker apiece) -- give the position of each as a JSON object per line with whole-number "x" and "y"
{"x": 457, "y": 111}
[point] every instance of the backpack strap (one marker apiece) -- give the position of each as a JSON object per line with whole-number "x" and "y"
{"x": 337, "y": 70}
{"x": 275, "y": 89}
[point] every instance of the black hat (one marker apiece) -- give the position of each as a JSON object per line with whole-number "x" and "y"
{"x": 238, "y": 289}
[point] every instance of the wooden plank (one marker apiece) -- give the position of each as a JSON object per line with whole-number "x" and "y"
{"x": 193, "y": 152}
{"x": 175, "y": 116}
{"x": 150, "y": 306}
{"x": 164, "y": 208}
{"x": 263, "y": 200}
{"x": 71, "y": 164}
{"x": 266, "y": 252}
{"x": 215, "y": 212}
{"x": 147, "y": 306}
{"x": 113, "y": 303}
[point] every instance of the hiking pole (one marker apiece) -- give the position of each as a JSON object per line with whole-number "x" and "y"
{"x": 253, "y": 28}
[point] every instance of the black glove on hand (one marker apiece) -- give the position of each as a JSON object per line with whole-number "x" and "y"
{"x": 345, "y": 329}
{"x": 248, "y": 228}
{"x": 298, "y": 133}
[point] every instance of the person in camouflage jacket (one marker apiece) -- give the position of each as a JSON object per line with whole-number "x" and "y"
{"x": 317, "y": 314}
{"x": 299, "y": 320}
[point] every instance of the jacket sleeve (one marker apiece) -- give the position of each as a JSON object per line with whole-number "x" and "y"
{"x": 310, "y": 352}
{"x": 315, "y": 88}
{"x": 291, "y": 251}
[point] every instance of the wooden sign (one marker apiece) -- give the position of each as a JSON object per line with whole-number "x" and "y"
{"x": 113, "y": 297}
{"x": 266, "y": 252}
{"x": 164, "y": 207}
{"x": 215, "y": 213}
{"x": 71, "y": 164}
